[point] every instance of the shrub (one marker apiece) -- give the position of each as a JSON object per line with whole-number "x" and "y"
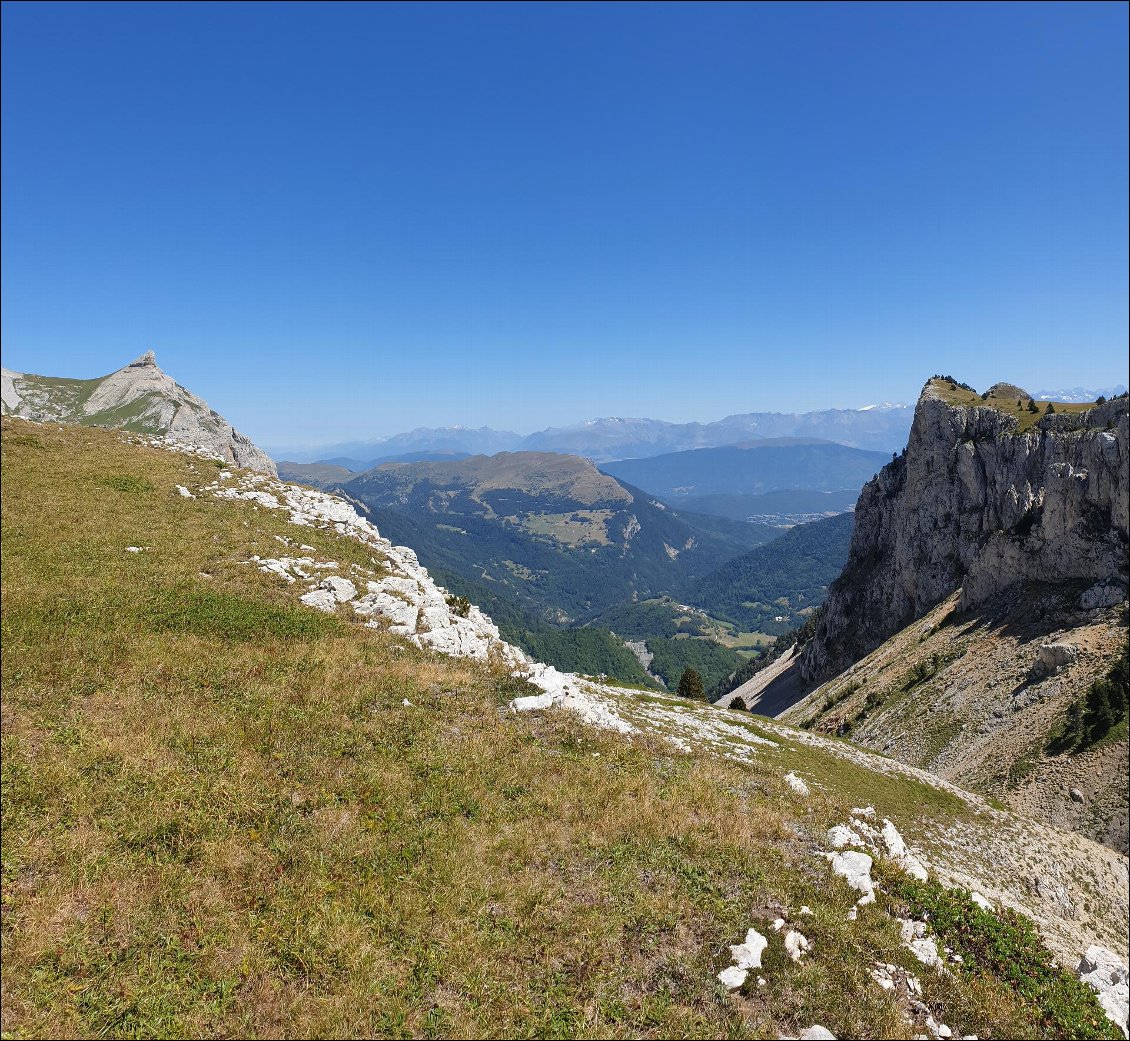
{"x": 459, "y": 604}
{"x": 739, "y": 704}
{"x": 127, "y": 483}
{"x": 1006, "y": 947}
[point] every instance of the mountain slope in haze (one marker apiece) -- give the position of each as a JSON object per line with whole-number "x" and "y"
{"x": 240, "y": 816}
{"x": 782, "y": 508}
{"x": 317, "y": 475}
{"x": 881, "y": 428}
{"x": 140, "y": 398}
{"x": 551, "y": 532}
{"x": 775, "y": 587}
{"x": 751, "y": 468}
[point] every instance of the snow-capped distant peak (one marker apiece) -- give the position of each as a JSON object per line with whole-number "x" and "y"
{"x": 884, "y": 407}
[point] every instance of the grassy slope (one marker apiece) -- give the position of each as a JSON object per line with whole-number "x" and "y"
{"x": 220, "y": 819}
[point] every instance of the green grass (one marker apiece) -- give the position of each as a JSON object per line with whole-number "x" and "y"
{"x": 221, "y": 819}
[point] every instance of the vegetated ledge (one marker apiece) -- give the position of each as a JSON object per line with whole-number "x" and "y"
{"x": 244, "y": 816}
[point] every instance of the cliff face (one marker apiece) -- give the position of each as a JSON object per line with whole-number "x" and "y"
{"x": 138, "y": 397}
{"x": 974, "y": 504}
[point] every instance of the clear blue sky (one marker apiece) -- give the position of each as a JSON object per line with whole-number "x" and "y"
{"x": 345, "y": 221}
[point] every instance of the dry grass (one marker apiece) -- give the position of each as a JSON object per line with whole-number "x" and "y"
{"x": 220, "y": 819}
{"x": 1011, "y": 406}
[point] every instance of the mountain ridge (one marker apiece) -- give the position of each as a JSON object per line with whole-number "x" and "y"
{"x": 874, "y": 427}
{"x": 139, "y": 397}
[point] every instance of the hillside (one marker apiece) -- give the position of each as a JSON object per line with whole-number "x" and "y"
{"x": 782, "y": 508}
{"x": 269, "y": 807}
{"x": 751, "y": 468}
{"x": 777, "y": 586}
{"x": 549, "y": 532}
{"x": 978, "y": 699}
{"x": 983, "y": 599}
{"x": 138, "y": 397}
{"x": 317, "y": 475}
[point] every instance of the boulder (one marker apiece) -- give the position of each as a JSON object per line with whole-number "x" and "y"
{"x": 1053, "y": 656}
{"x": 341, "y": 588}
{"x": 855, "y": 869}
{"x": 1102, "y": 970}
{"x": 320, "y": 599}
{"x": 796, "y": 784}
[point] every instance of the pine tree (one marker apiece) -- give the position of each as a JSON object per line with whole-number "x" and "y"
{"x": 1032, "y": 407}
{"x": 690, "y": 685}
{"x": 1074, "y": 730}
{"x": 738, "y": 703}
{"x": 1049, "y": 409}
{"x": 1100, "y": 715}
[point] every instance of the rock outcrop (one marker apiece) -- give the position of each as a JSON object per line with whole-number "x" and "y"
{"x": 980, "y": 505}
{"x": 139, "y": 397}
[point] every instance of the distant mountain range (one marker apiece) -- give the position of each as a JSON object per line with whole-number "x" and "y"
{"x": 1079, "y": 395}
{"x": 881, "y": 428}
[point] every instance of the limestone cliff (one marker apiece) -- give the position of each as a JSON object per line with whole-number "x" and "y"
{"x": 987, "y": 496}
{"x": 139, "y": 397}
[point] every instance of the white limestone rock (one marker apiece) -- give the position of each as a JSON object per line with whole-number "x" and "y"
{"x": 796, "y": 784}
{"x": 796, "y": 944}
{"x": 401, "y": 616}
{"x": 855, "y": 869}
{"x": 1103, "y": 970}
{"x": 1102, "y": 595}
{"x": 1053, "y": 656}
{"x": 320, "y": 599}
{"x": 341, "y": 588}
{"x": 747, "y": 954}
{"x": 732, "y": 978}
{"x": 898, "y": 852}
{"x": 841, "y": 835}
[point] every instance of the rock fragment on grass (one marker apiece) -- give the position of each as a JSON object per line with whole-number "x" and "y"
{"x": 796, "y": 784}
{"x": 855, "y": 869}
{"x": 320, "y": 599}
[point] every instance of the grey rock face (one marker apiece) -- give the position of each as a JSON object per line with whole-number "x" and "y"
{"x": 139, "y": 397}
{"x": 973, "y": 506}
{"x": 1054, "y": 655}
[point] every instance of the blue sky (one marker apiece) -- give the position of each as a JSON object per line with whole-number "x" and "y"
{"x": 345, "y": 221}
